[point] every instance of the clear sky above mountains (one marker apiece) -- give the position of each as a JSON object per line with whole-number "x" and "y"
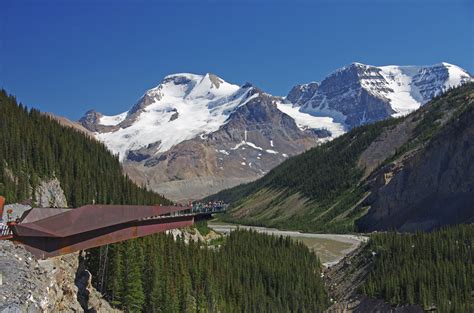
{"x": 70, "y": 56}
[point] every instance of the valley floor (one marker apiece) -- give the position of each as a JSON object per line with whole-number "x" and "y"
{"x": 330, "y": 248}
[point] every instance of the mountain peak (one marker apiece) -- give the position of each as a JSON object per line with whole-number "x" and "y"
{"x": 360, "y": 93}
{"x": 357, "y": 64}
{"x": 181, "y": 107}
{"x": 186, "y": 105}
{"x": 189, "y": 76}
{"x": 215, "y": 80}
{"x": 183, "y": 78}
{"x": 299, "y": 94}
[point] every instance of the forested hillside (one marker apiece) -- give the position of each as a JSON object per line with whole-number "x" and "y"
{"x": 35, "y": 147}
{"x": 250, "y": 272}
{"x": 331, "y": 186}
{"x": 321, "y": 174}
{"x": 432, "y": 269}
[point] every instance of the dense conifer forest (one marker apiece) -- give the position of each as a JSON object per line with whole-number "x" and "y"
{"x": 250, "y": 272}
{"x": 35, "y": 147}
{"x": 433, "y": 269}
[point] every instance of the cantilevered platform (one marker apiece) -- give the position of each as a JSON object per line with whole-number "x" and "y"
{"x": 48, "y": 232}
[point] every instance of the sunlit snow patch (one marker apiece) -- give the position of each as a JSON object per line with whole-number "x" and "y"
{"x": 204, "y": 104}
{"x": 306, "y": 120}
{"x": 112, "y": 120}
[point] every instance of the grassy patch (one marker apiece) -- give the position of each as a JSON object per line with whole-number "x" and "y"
{"x": 218, "y": 241}
{"x": 202, "y": 227}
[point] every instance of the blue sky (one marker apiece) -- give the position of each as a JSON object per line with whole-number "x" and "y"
{"x": 70, "y": 56}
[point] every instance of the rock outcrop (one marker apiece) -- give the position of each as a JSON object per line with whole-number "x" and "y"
{"x": 60, "y": 284}
{"x": 49, "y": 194}
{"x": 300, "y": 94}
{"x": 429, "y": 187}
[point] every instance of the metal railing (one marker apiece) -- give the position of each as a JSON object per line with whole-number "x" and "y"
{"x": 5, "y": 231}
{"x": 195, "y": 209}
{"x": 209, "y": 208}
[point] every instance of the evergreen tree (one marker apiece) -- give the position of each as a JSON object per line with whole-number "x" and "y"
{"x": 250, "y": 272}
{"x": 35, "y": 147}
{"x": 434, "y": 268}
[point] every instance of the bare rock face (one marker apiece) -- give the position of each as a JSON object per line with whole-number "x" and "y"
{"x": 193, "y": 235}
{"x": 49, "y": 194}
{"x": 256, "y": 138}
{"x": 300, "y": 94}
{"x": 195, "y": 188}
{"x": 90, "y": 120}
{"x": 429, "y": 188}
{"x": 24, "y": 286}
{"x": 59, "y": 284}
{"x": 343, "y": 92}
{"x": 74, "y": 285}
{"x": 359, "y": 94}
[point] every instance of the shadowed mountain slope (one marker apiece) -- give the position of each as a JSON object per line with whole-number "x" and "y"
{"x": 410, "y": 173}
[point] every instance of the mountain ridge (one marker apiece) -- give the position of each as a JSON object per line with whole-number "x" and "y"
{"x": 200, "y": 120}
{"x": 375, "y": 177}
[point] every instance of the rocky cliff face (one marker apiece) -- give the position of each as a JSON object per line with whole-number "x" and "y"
{"x": 429, "y": 187}
{"x": 342, "y": 95}
{"x": 300, "y": 94}
{"x": 49, "y": 194}
{"x": 90, "y": 121}
{"x": 59, "y": 284}
{"x": 360, "y": 94}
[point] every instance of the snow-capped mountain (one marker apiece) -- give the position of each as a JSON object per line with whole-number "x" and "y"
{"x": 199, "y": 126}
{"x": 193, "y": 135}
{"x": 181, "y": 107}
{"x": 359, "y": 93}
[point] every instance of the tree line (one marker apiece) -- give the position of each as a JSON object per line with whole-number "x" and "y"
{"x": 250, "y": 272}
{"x": 35, "y": 147}
{"x": 433, "y": 269}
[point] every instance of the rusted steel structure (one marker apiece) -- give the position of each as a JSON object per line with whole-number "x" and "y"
{"x": 48, "y": 232}
{"x": 2, "y": 203}
{"x": 5, "y": 231}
